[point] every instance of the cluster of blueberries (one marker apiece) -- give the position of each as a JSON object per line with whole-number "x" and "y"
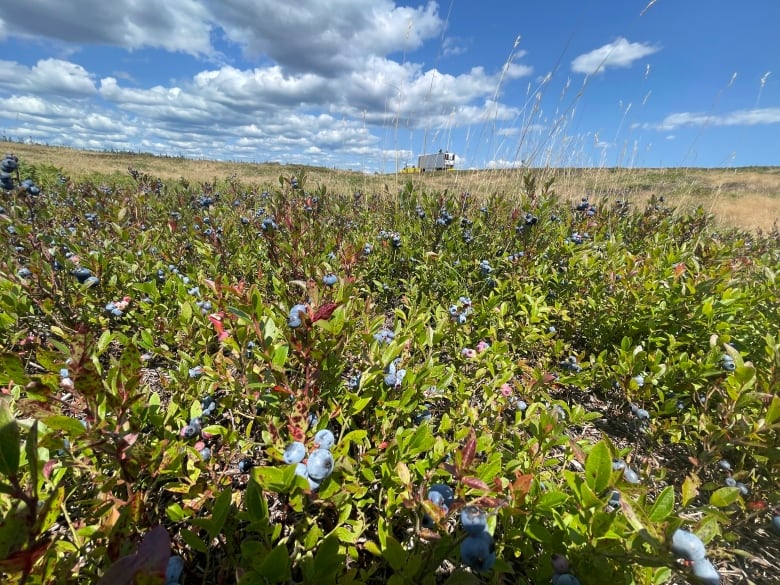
{"x": 394, "y": 375}
{"x": 269, "y": 225}
{"x": 7, "y": 166}
{"x": 394, "y": 237}
{"x": 320, "y": 463}
{"x": 460, "y": 312}
{"x": 529, "y": 220}
{"x": 585, "y": 207}
{"x": 688, "y": 546}
{"x": 85, "y": 276}
{"x": 629, "y": 474}
{"x": 727, "y": 363}
{"x": 730, "y": 481}
{"x": 194, "y": 429}
{"x": 477, "y": 550}
{"x": 570, "y": 364}
{"x": 294, "y": 317}
{"x": 445, "y": 217}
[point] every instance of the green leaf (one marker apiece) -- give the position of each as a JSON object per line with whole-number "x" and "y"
{"x": 598, "y": 467}
{"x": 724, "y": 497}
{"x": 12, "y": 370}
{"x": 280, "y": 356}
{"x": 221, "y": 511}
{"x": 193, "y": 541}
{"x": 690, "y": 489}
{"x": 256, "y": 504}
{"x": 240, "y": 314}
{"x": 394, "y": 554}
{"x": 276, "y": 566}
{"x": 10, "y": 448}
{"x": 59, "y": 422}
{"x": 663, "y": 506}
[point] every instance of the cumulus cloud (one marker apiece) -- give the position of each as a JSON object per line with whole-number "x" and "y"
{"x": 327, "y": 81}
{"x": 48, "y": 76}
{"x": 618, "y": 54}
{"x": 173, "y": 25}
{"x": 325, "y": 37}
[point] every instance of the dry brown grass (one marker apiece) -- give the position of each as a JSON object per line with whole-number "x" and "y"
{"x": 747, "y": 198}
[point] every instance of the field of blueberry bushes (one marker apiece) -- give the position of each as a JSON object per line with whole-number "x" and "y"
{"x": 221, "y": 382}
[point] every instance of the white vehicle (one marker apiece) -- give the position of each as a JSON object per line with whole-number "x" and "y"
{"x": 441, "y": 161}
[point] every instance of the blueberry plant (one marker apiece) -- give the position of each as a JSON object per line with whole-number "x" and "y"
{"x": 230, "y": 383}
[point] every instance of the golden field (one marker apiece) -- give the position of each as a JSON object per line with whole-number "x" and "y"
{"x": 746, "y": 198}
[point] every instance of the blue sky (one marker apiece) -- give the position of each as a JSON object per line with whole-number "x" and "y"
{"x": 371, "y": 84}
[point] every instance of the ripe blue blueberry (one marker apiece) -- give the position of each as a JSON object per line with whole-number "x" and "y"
{"x": 775, "y": 524}
{"x": 24, "y": 272}
{"x": 725, "y": 465}
{"x": 565, "y": 579}
{"x": 384, "y": 336}
{"x": 727, "y": 363}
{"x": 473, "y": 520}
{"x": 445, "y": 491}
{"x": 630, "y": 475}
{"x": 205, "y": 453}
{"x": 324, "y": 439}
{"x": 618, "y": 465}
{"x": 687, "y": 545}
{"x": 294, "y": 453}
{"x": 190, "y": 432}
{"x": 82, "y": 274}
{"x": 478, "y": 552}
{"x": 320, "y": 464}
{"x": 330, "y": 279}
{"x": 614, "y": 499}
{"x": 174, "y": 570}
{"x": 639, "y": 379}
{"x": 300, "y": 469}
{"x": 705, "y": 572}
{"x": 245, "y": 465}
{"x": 730, "y": 482}
{"x": 640, "y": 413}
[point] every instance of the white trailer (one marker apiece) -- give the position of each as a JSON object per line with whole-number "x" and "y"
{"x": 441, "y": 161}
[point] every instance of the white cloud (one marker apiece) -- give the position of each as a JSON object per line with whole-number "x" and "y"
{"x": 330, "y": 78}
{"x": 619, "y": 53}
{"x": 325, "y": 37}
{"x": 173, "y": 25}
{"x": 737, "y": 118}
{"x": 48, "y": 76}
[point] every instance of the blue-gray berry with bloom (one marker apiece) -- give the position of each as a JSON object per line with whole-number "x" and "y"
{"x": 294, "y": 453}
{"x": 478, "y": 552}
{"x": 687, "y": 545}
{"x": 320, "y": 464}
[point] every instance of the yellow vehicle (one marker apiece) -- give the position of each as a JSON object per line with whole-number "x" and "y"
{"x": 410, "y": 169}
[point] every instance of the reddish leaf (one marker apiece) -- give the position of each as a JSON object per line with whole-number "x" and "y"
{"x": 48, "y": 467}
{"x": 475, "y": 483}
{"x": 489, "y": 502}
{"x": 324, "y": 312}
{"x": 469, "y": 450}
{"x": 24, "y": 559}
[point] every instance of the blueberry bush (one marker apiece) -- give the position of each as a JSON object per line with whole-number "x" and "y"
{"x": 234, "y": 383}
